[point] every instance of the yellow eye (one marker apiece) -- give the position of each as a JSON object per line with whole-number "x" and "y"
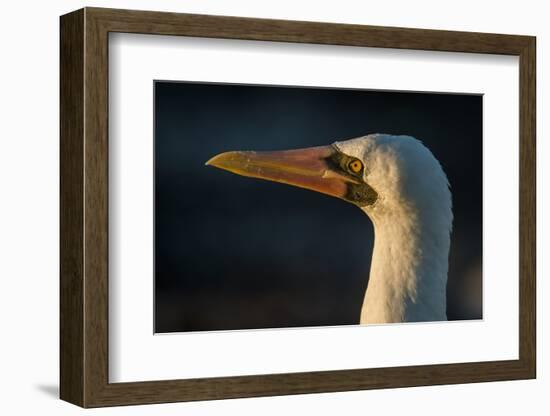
{"x": 355, "y": 166}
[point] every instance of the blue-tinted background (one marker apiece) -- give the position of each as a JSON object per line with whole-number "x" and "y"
{"x": 236, "y": 253}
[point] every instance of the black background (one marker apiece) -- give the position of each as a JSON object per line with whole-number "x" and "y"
{"x": 237, "y": 253}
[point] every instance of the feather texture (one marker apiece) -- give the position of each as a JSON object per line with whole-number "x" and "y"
{"x": 412, "y": 220}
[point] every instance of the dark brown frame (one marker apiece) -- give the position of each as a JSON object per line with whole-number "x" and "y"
{"x": 84, "y": 214}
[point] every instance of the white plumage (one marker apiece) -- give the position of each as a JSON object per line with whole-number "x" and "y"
{"x": 412, "y": 220}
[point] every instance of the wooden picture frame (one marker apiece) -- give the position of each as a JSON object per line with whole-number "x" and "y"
{"x": 84, "y": 207}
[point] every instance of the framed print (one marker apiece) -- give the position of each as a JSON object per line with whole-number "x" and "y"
{"x": 256, "y": 207}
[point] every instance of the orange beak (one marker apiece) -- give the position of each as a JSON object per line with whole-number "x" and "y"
{"x": 305, "y": 168}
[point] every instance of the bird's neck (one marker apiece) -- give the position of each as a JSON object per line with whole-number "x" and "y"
{"x": 408, "y": 275}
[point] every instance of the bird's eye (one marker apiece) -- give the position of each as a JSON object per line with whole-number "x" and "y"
{"x": 355, "y": 166}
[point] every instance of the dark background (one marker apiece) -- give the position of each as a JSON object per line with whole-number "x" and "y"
{"x": 235, "y": 253}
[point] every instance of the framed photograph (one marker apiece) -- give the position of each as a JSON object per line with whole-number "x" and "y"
{"x": 255, "y": 207}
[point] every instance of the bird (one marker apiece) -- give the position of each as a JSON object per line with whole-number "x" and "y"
{"x": 400, "y": 185}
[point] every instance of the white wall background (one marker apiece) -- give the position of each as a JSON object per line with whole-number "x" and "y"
{"x": 29, "y": 206}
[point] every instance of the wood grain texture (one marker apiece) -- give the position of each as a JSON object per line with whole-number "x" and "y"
{"x": 84, "y": 207}
{"x": 96, "y": 218}
{"x": 527, "y": 208}
{"x": 162, "y": 23}
{"x": 71, "y": 198}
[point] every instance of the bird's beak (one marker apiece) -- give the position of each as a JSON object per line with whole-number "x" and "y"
{"x": 305, "y": 168}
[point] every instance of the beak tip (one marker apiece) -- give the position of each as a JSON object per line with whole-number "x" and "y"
{"x": 226, "y": 160}
{"x": 212, "y": 161}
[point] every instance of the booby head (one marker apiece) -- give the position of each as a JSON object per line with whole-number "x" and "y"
{"x": 377, "y": 172}
{"x": 401, "y": 186}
